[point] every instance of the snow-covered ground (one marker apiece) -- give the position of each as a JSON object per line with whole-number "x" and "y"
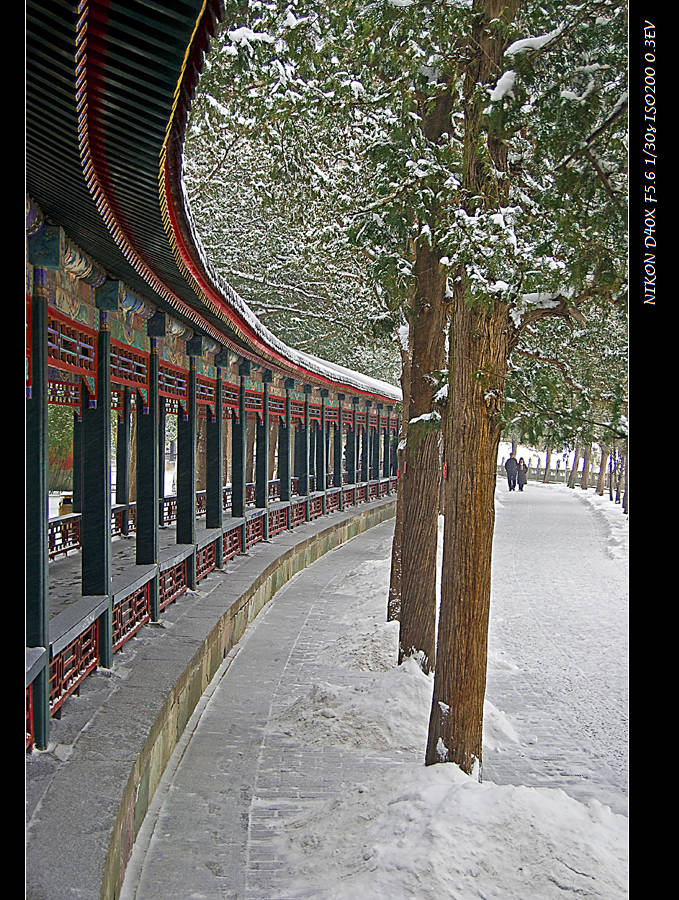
{"x": 304, "y": 777}
{"x": 549, "y": 817}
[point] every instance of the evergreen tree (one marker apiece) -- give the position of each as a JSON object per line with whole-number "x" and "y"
{"x": 472, "y": 155}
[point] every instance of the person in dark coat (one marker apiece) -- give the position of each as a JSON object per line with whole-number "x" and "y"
{"x": 521, "y": 473}
{"x": 511, "y": 468}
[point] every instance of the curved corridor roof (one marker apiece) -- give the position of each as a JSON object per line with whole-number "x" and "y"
{"x": 108, "y": 91}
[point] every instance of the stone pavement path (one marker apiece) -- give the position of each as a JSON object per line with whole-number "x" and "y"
{"x": 557, "y": 671}
{"x": 210, "y": 837}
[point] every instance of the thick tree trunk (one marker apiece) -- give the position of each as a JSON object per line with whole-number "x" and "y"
{"x": 479, "y": 348}
{"x": 472, "y": 429}
{"x": 419, "y": 480}
{"x": 394, "y": 597}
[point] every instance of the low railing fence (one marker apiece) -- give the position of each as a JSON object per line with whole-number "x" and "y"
{"x": 75, "y": 655}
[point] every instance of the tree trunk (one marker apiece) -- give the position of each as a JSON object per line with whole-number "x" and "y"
{"x": 548, "y": 457}
{"x": 394, "y": 597}
{"x": 479, "y": 346}
{"x": 419, "y": 480}
{"x": 602, "y": 470}
{"x": 574, "y": 469}
{"x": 587, "y": 454}
{"x": 472, "y": 430}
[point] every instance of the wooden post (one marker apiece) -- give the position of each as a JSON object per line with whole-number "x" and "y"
{"x": 148, "y": 478}
{"x": 337, "y": 472}
{"x": 95, "y": 528}
{"x": 365, "y": 442}
{"x": 352, "y": 445}
{"x": 321, "y": 453}
{"x": 239, "y": 438}
{"x": 262, "y": 461}
{"x": 376, "y": 445}
{"x": 386, "y": 462}
{"x": 284, "y": 441}
{"x": 305, "y": 448}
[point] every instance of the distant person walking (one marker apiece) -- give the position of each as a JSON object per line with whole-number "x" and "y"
{"x": 521, "y": 473}
{"x": 511, "y": 468}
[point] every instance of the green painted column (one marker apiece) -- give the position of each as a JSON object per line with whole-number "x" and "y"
{"x": 386, "y": 463}
{"x": 95, "y": 526}
{"x": 365, "y": 444}
{"x": 215, "y": 459}
{"x": 262, "y": 459}
{"x": 321, "y": 451}
{"x": 37, "y": 505}
{"x": 376, "y": 445}
{"x": 239, "y": 449}
{"x": 284, "y": 445}
{"x": 306, "y": 446}
{"x": 338, "y": 445}
{"x": 351, "y": 446}
{"x": 148, "y": 477}
{"x": 298, "y": 451}
{"x": 186, "y": 473}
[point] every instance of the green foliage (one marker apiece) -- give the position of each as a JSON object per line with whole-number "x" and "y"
{"x": 315, "y": 171}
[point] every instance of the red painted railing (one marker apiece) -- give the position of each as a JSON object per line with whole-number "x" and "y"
{"x": 232, "y": 543}
{"x": 297, "y": 513}
{"x": 254, "y": 531}
{"x": 278, "y": 520}
{"x": 172, "y": 584}
{"x": 72, "y": 665}
{"x": 206, "y": 560}
{"x": 130, "y": 614}
{"x": 315, "y": 507}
